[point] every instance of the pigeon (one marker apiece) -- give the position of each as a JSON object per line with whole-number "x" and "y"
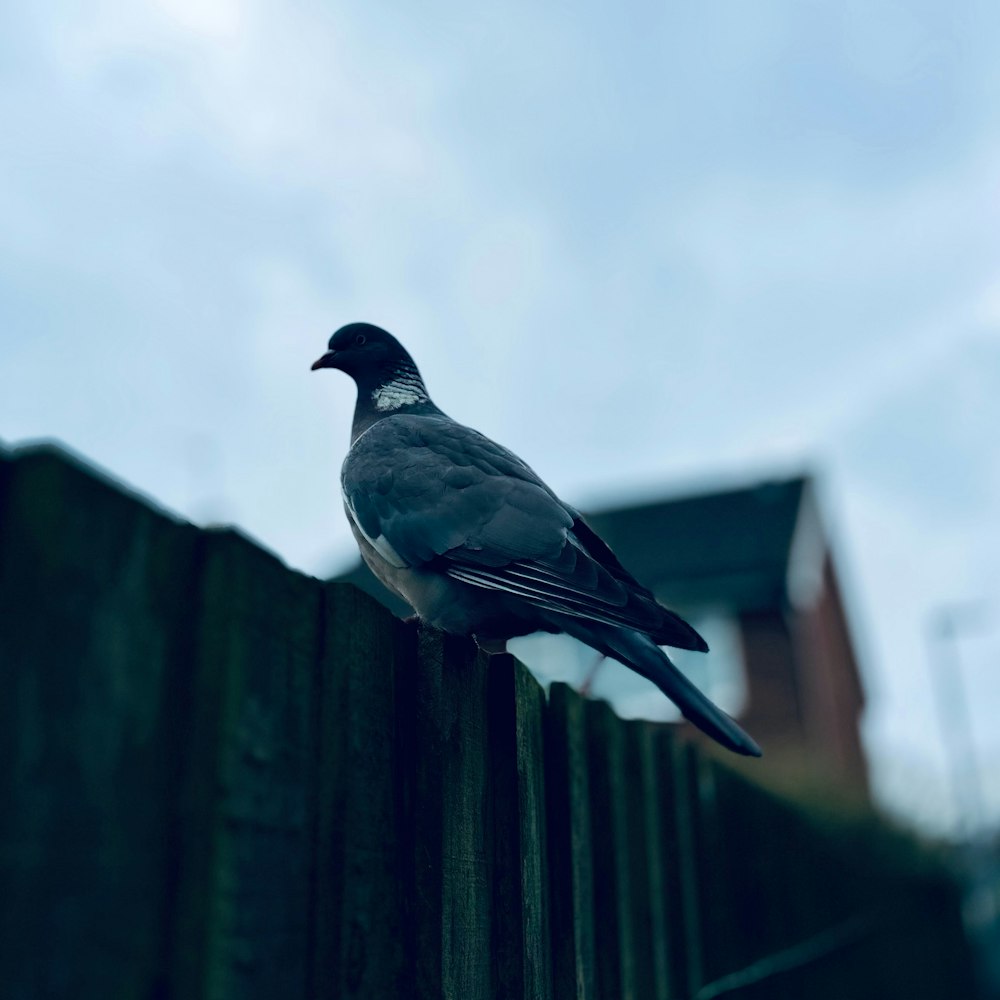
{"x": 466, "y": 532}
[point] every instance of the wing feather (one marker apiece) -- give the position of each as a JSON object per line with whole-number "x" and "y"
{"x": 457, "y": 501}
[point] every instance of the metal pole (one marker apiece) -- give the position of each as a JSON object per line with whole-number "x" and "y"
{"x": 954, "y": 718}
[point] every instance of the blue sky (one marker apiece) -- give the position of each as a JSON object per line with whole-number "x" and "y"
{"x": 645, "y": 246}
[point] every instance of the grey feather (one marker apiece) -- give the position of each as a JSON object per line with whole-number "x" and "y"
{"x": 475, "y": 541}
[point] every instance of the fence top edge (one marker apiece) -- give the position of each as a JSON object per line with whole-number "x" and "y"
{"x": 45, "y": 450}
{"x": 49, "y": 451}
{"x": 336, "y": 591}
{"x": 228, "y": 534}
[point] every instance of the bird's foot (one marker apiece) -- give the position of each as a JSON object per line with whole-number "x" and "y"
{"x": 488, "y": 644}
{"x": 588, "y": 682}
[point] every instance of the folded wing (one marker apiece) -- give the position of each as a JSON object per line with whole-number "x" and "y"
{"x": 435, "y": 493}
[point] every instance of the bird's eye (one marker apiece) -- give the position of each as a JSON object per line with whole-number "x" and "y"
{"x": 359, "y": 340}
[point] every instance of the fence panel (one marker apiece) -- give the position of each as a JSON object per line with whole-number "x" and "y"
{"x": 567, "y": 794}
{"x": 358, "y": 938}
{"x": 521, "y": 943}
{"x": 223, "y": 779}
{"x": 95, "y": 642}
{"x": 609, "y": 834}
{"x": 247, "y": 798}
{"x": 449, "y": 817}
{"x": 647, "y": 868}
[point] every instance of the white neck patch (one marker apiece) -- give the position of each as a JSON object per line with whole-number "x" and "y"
{"x": 405, "y": 389}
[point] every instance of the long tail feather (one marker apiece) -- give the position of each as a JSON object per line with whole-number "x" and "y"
{"x": 640, "y": 653}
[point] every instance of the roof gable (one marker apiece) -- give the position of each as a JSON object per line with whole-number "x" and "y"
{"x": 728, "y": 548}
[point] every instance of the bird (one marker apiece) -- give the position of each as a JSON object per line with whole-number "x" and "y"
{"x": 478, "y": 545}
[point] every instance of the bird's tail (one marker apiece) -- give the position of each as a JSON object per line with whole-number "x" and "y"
{"x": 640, "y": 653}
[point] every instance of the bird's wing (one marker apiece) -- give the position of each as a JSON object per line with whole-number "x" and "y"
{"x": 431, "y": 487}
{"x": 672, "y": 630}
{"x": 428, "y": 492}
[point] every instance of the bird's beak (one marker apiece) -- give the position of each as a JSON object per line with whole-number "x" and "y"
{"x": 329, "y": 360}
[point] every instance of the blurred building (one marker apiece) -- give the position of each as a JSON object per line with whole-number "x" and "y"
{"x": 759, "y": 559}
{"x": 752, "y": 569}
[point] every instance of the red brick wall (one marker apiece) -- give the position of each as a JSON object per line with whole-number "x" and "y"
{"x": 804, "y": 695}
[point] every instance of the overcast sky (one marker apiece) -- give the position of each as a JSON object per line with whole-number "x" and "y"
{"x": 645, "y": 245}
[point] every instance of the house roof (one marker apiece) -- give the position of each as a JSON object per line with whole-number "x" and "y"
{"x": 728, "y": 548}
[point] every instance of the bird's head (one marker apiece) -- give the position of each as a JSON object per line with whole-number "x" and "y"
{"x": 364, "y": 352}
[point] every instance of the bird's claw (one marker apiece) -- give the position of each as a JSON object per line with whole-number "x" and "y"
{"x": 491, "y": 645}
{"x": 588, "y": 682}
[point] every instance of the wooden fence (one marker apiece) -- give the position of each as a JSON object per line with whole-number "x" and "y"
{"x": 223, "y": 779}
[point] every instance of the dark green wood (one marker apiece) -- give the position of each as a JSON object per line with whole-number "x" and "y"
{"x": 419, "y": 818}
{"x": 358, "y": 948}
{"x": 739, "y": 872}
{"x": 676, "y": 890}
{"x": 567, "y": 795}
{"x": 721, "y": 927}
{"x": 686, "y": 874}
{"x": 94, "y": 655}
{"x": 223, "y": 779}
{"x": 249, "y": 791}
{"x": 448, "y": 817}
{"x": 647, "y": 866}
{"x": 752, "y": 864}
{"x": 467, "y": 871}
{"x": 521, "y": 898}
{"x": 611, "y": 846}
{"x": 6, "y": 465}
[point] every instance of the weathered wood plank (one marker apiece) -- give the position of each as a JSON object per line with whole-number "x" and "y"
{"x": 94, "y": 645}
{"x": 419, "y": 804}
{"x": 610, "y": 844}
{"x": 521, "y": 899}
{"x": 447, "y": 817}
{"x": 685, "y": 871}
{"x": 467, "y": 875}
{"x": 248, "y": 796}
{"x": 676, "y": 892}
{"x": 567, "y": 794}
{"x": 358, "y": 949}
{"x": 647, "y": 867}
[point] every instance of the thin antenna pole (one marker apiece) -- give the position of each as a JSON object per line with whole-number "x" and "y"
{"x": 951, "y": 700}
